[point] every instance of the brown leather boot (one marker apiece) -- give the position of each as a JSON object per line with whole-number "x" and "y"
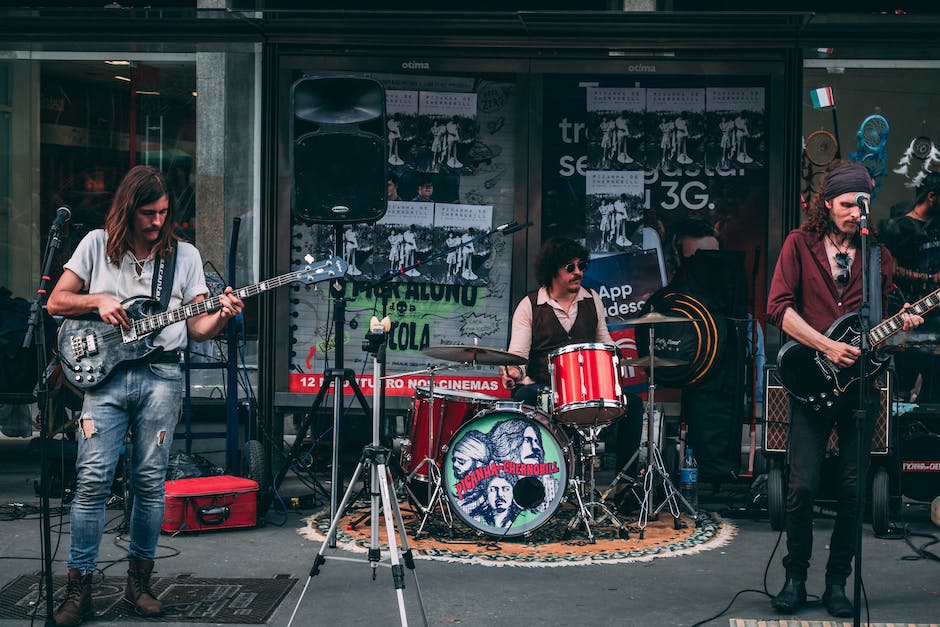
{"x": 77, "y": 604}
{"x": 138, "y": 592}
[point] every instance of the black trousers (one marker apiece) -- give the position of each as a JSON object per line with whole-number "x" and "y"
{"x": 809, "y": 434}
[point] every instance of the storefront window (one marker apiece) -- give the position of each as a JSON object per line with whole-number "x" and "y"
{"x": 73, "y": 123}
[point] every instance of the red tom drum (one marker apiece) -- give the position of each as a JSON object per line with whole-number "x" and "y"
{"x": 586, "y": 384}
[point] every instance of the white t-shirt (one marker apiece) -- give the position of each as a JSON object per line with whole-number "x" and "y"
{"x": 98, "y": 275}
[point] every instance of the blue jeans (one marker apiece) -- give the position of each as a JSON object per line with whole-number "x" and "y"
{"x": 146, "y": 399}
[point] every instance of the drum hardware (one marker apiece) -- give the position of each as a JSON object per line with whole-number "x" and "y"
{"x": 647, "y": 361}
{"x": 654, "y": 317}
{"x": 433, "y": 471}
{"x": 476, "y": 355}
{"x": 587, "y": 508}
{"x": 654, "y": 459}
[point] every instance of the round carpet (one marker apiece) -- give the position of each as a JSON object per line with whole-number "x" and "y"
{"x": 545, "y": 546}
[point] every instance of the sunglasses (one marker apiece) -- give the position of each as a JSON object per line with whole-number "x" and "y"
{"x": 581, "y": 265}
{"x": 843, "y": 260}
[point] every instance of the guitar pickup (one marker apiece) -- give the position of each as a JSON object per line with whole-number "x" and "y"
{"x": 84, "y": 346}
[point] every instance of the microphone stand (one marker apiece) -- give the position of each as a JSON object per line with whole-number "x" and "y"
{"x": 36, "y": 333}
{"x": 860, "y": 414}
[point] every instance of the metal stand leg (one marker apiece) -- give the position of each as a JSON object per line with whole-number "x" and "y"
{"x": 376, "y": 457}
{"x": 586, "y": 508}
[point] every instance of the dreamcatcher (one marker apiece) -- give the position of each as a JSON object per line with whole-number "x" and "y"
{"x": 921, "y": 157}
{"x": 872, "y": 139}
{"x": 819, "y": 149}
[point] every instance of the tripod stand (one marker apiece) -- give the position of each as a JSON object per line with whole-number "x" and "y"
{"x": 338, "y": 376}
{"x": 375, "y": 457}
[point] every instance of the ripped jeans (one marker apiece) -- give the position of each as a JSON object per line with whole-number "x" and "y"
{"x": 145, "y": 398}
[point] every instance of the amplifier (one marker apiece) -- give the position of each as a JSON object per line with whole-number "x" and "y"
{"x": 777, "y": 417}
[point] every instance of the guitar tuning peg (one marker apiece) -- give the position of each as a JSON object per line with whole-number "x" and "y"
{"x": 308, "y": 258}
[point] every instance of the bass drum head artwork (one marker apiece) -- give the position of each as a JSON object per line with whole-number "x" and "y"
{"x": 505, "y": 472}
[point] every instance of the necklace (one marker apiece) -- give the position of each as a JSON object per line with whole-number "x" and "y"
{"x": 843, "y": 263}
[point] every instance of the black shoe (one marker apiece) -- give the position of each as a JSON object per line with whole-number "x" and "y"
{"x": 837, "y": 604}
{"x": 791, "y": 598}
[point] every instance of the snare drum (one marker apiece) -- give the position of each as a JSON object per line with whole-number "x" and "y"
{"x": 586, "y": 384}
{"x": 452, "y": 408}
{"x": 505, "y": 471}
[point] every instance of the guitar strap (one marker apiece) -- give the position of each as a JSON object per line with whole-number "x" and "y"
{"x": 875, "y": 285}
{"x": 161, "y": 288}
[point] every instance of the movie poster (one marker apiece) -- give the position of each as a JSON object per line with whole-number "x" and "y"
{"x": 614, "y": 210}
{"x": 735, "y": 122}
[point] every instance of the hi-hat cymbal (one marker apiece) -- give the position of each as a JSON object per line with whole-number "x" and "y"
{"x": 654, "y": 317}
{"x": 658, "y": 362}
{"x": 478, "y": 354}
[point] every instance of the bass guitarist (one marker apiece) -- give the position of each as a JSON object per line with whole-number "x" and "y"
{"x": 108, "y": 266}
{"x": 817, "y": 280}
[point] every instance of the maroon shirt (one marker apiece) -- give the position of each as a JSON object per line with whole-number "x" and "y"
{"x": 803, "y": 280}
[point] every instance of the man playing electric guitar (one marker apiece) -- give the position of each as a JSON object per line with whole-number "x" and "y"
{"x": 108, "y": 266}
{"x": 817, "y": 281}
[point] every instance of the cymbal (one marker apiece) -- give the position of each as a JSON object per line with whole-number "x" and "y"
{"x": 644, "y": 362}
{"x": 654, "y": 317}
{"x": 478, "y": 354}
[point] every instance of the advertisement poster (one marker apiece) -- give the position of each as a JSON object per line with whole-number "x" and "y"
{"x": 685, "y": 146}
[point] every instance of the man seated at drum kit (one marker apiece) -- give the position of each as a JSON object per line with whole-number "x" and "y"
{"x": 565, "y": 322}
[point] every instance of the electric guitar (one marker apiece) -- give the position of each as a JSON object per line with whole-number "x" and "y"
{"x": 90, "y": 350}
{"x": 811, "y": 377}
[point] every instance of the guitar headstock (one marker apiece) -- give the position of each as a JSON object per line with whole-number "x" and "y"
{"x": 316, "y": 271}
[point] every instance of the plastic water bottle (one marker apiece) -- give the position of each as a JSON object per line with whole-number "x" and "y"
{"x": 688, "y": 479}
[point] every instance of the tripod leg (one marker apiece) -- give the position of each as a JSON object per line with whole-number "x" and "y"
{"x": 319, "y": 559}
{"x": 407, "y": 555}
{"x": 398, "y": 574}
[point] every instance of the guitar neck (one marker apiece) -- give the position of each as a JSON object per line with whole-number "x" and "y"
{"x": 886, "y": 328}
{"x": 208, "y": 305}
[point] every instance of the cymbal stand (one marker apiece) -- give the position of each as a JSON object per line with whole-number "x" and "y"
{"x": 376, "y": 457}
{"x": 654, "y": 461}
{"x": 435, "y": 480}
{"x": 586, "y": 509}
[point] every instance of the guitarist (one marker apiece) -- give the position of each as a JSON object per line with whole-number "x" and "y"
{"x": 108, "y": 266}
{"x": 815, "y": 282}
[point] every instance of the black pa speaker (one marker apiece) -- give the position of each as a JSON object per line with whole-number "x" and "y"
{"x": 338, "y": 150}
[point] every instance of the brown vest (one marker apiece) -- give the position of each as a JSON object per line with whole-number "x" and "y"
{"x": 548, "y": 334}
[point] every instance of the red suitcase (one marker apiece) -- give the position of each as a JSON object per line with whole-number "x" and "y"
{"x": 206, "y": 503}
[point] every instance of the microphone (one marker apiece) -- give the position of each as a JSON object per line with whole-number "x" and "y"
{"x": 62, "y": 216}
{"x": 863, "y": 201}
{"x": 515, "y": 226}
{"x": 502, "y": 228}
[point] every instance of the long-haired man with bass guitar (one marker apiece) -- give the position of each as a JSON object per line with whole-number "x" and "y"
{"x": 818, "y": 280}
{"x": 135, "y": 255}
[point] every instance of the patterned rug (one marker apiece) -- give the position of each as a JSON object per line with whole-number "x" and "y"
{"x": 546, "y": 546}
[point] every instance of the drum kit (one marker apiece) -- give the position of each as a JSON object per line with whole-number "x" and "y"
{"x": 506, "y": 468}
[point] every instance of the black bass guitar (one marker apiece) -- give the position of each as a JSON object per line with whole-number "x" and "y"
{"x": 813, "y": 379}
{"x": 90, "y": 350}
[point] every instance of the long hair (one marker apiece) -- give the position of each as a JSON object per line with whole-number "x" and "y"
{"x": 141, "y": 186}
{"x": 555, "y": 253}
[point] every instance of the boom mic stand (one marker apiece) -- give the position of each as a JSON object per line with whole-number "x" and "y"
{"x": 338, "y": 375}
{"x": 36, "y": 333}
{"x": 376, "y": 457}
{"x": 861, "y": 414}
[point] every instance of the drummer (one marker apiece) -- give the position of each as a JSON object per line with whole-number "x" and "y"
{"x": 559, "y": 313}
